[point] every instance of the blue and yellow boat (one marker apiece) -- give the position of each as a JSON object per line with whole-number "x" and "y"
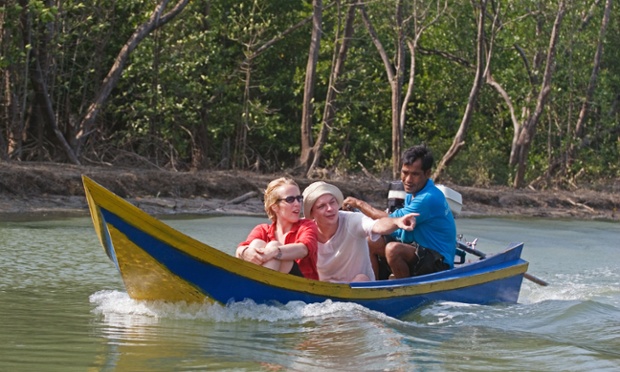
{"x": 157, "y": 262}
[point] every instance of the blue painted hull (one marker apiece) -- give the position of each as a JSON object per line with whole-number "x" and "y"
{"x": 158, "y": 262}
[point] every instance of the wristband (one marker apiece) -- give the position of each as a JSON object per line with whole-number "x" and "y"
{"x": 243, "y": 251}
{"x": 279, "y": 255}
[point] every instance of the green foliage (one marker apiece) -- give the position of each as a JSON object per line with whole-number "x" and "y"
{"x": 185, "y": 85}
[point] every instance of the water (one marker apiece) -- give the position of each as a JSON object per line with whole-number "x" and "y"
{"x": 64, "y": 308}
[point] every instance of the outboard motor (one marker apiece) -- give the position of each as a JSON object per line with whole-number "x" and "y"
{"x": 396, "y": 196}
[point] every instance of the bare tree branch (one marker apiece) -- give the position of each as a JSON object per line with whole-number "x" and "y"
{"x": 307, "y": 149}
{"x": 155, "y": 21}
{"x": 329, "y": 111}
{"x": 529, "y": 126}
{"x": 481, "y": 66}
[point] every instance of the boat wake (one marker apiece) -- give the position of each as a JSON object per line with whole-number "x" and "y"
{"x": 111, "y": 304}
{"x": 601, "y": 284}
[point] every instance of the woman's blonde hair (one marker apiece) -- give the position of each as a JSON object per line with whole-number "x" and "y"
{"x": 271, "y": 197}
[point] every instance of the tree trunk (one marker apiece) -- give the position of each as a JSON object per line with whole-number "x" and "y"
{"x": 199, "y": 145}
{"x": 155, "y": 21}
{"x": 418, "y": 20}
{"x": 45, "y": 105}
{"x": 397, "y": 91}
{"x": 562, "y": 164}
{"x": 528, "y": 130}
{"x": 395, "y": 78}
{"x": 42, "y": 100}
{"x": 241, "y": 133}
{"x": 329, "y": 112}
{"x": 252, "y": 52}
{"x": 579, "y": 127}
{"x": 8, "y": 103}
{"x": 10, "y": 147}
{"x": 307, "y": 142}
{"x": 8, "y": 113}
{"x": 459, "y": 138}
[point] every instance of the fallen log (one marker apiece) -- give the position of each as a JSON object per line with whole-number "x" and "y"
{"x": 242, "y": 198}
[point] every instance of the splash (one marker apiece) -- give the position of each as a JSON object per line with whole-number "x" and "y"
{"x": 601, "y": 284}
{"x": 116, "y": 304}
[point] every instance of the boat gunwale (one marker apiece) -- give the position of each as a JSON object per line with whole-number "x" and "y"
{"x": 204, "y": 253}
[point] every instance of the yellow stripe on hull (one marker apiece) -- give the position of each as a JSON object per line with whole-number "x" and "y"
{"x": 147, "y": 279}
{"x": 140, "y": 268}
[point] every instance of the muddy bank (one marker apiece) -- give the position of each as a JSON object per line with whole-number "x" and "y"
{"x": 50, "y": 189}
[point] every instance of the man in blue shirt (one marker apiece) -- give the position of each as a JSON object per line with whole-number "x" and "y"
{"x": 431, "y": 246}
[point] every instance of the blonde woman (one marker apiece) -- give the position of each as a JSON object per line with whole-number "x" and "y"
{"x": 289, "y": 243}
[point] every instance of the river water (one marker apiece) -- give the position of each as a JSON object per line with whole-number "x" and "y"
{"x": 63, "y": 308}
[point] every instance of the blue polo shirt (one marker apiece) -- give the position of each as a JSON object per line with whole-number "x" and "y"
{"x": 435, "y": 227}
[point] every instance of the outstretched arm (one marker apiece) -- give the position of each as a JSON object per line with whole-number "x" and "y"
{"x": 351, "y": 203}
{"x": 387, "y": 225}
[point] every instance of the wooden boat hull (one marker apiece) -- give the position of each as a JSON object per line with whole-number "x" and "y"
{"x": 157, "y": 262}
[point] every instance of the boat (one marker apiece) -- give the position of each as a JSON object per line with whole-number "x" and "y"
{"x": 159, "y": 263}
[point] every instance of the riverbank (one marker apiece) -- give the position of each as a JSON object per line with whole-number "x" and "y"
{"x": 36, "y": 190}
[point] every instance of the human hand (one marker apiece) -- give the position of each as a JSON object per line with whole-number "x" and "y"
{"x": 275, "y": 252}
{"x": 255, "y": 255}
{"x": 407, "y": 222}
{"x": 350, "y": 203}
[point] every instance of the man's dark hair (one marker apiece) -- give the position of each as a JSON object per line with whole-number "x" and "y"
{"x": 419, "y": 152}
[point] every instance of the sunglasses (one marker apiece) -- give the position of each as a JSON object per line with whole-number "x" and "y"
{"x": 291, "y": 199}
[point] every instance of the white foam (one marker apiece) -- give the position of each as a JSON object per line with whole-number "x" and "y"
{"x": 599, "y": 284}
{"x": 114, "y": 305}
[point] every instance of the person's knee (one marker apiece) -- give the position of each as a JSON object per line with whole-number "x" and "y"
{"x": 273, "y": 243}
{"x": 257, "y": 243}
{"x": 272, "y": 264}
{"x": 361, "y": 278}
{"x": 377, "y": 247}
{"x": 398, "y": 250}
{"x": 392, "y": 251}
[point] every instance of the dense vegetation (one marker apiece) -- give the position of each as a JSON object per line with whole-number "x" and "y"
{"x": 504, "y": 92}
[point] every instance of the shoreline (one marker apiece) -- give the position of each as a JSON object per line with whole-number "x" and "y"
{"x": 58, "y": 207}
{"x": 48, "y": 190}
